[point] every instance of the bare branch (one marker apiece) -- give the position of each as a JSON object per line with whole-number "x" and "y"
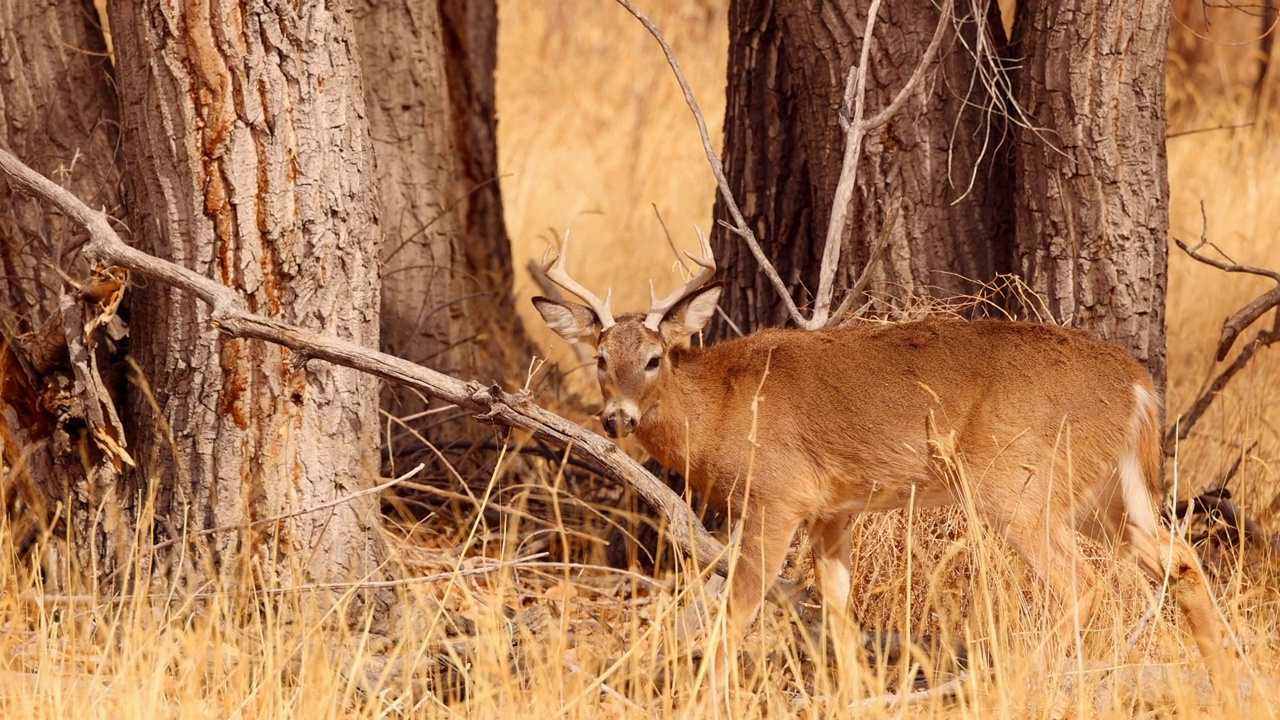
{"x": 739, "y": 226}
{"x": 1182, "y": 428}
{"x": 864, "y": 279}
{"x": 493, "y": 405}
{"x": 1247, "y": 315}
{"x": 1231, "y": 329}
{"x": 856, "y": 127}
{"x": 855, "y": 134}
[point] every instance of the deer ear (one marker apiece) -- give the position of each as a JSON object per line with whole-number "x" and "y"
{"x": 690, "y": 315}
{"x": 569, "y": 320}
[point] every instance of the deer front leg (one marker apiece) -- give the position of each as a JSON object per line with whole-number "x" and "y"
{"x": 765, "y": 539}
{"x": 831, "y": 552}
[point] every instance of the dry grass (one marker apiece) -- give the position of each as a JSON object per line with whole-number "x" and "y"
{"x": 592, "y": 131}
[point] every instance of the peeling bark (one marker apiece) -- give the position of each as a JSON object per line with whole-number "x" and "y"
{"x": 250, "y": 162}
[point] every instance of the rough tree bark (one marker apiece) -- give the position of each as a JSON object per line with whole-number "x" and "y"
{"x": 447, "y": 275}
{"x": 250, "y": 162}
{"x": 470, "y": 46}
{"x": 1092, "y": 208}
{"x": 58, "y": 109}
{"x": 936, "y": 161}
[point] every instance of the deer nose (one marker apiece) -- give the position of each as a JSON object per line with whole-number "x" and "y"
{"x": 618, "y": 424}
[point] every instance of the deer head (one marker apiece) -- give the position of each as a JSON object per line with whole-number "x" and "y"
{"x": 633, "y": 353}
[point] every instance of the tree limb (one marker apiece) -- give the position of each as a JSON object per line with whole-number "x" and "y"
{"x": 230, "y": 316}
{"x": 1232, "y": 327}
{"x": 856, "y": 130}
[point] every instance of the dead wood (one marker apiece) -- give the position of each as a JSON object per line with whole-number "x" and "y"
{"x": 1232, "y": 327}
{"x": 492, "y": 404}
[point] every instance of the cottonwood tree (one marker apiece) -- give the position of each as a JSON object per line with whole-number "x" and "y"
{"x": 1040, "y": 155}
{"x": 271, "y": 148}
{"x": 58, "y": 110}
{"x": 248, "y": 159}
{"x": 447, "y": 273}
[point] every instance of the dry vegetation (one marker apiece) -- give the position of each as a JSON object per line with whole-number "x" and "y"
{"x": 592, "y": 132}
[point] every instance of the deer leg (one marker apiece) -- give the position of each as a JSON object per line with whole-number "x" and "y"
{"x": 1055, "y": 558}
{"x": 1158, "y": 551}
{"x": 831, "y": 547}
{"x": 765, "y": 539}
{"x": 831, "y": 563}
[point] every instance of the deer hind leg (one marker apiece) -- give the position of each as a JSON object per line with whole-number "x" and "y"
{"x": 1130, "y": 519}
{"x": 1055, "y": 557}
{"x": 832, "y": 551}
{"x": 1159, "y": 553}
{"x": 1031, "y": 508}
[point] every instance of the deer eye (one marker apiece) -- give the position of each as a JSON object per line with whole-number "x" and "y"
{"x": 653, "y": 363}
{"x": 600, "y": 363}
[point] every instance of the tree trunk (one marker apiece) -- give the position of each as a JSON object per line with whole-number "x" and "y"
{"x": 1092, "y": 211}
{"x": 250, "y": 161}
{"x": 935, "y": 161}
{"x": 58, "y": 113}
{"x": 470, "y": 48}
{"x": 447, "y": 300}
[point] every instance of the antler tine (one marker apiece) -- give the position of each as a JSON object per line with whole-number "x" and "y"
{"x": 658, "y": 308}
{"x": 556, "y": 272}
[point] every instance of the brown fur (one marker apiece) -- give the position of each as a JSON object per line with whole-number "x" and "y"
{"x": 785, "y": 428}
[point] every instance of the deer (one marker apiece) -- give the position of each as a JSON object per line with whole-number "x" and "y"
{"x": 785, "y": 428}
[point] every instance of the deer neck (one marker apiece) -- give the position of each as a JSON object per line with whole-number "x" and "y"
{"x": 674, "y": 422}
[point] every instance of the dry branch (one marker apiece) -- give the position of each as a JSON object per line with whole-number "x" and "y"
{"x": 856, "y": 129}
{"x": 493, "y": 405}
{"x": 1232, "y": 327}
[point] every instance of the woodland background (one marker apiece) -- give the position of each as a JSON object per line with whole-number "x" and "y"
{"x": 513, "y": 602}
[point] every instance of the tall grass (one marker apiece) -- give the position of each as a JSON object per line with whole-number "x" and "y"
{"x": 592, "y": 131}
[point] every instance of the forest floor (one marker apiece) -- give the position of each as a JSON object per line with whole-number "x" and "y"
{"x": 517, "y": 633}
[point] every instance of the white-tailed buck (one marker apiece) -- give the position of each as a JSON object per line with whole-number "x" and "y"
{"x": 1059, "y": 433}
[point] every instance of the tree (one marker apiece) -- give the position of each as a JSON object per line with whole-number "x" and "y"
{"x": 247, "y": 156}
{"x": 783, "y": 151}
{"x": 248, "y": 160}
{"x": 1092, "y": 209}
{"x": 59, "y": 112}
{"x": 964, "y": 166}
{"x": 447, "y": 270}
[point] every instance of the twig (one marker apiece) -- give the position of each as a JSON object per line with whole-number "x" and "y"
{"x": 856, "y": 132}
{"x": 865, "y": 278}
{"x": 1244, "y": 317}
{"x": 493, "y": 405}
{"x": 1181, "y": 429}
{"x": 1232, "y": 327}
{"x": 739, "y": 225}
{"x": 856, "y": 128}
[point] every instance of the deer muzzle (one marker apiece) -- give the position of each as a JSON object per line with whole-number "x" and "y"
{"x": 618, "y": 423}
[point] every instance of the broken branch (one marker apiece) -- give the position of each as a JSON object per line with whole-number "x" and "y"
{"x": 230, "y": 316}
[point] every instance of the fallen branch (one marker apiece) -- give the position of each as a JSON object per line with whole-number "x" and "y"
{"x": 493, "y": 405}
{"x": 1232, "y": 327}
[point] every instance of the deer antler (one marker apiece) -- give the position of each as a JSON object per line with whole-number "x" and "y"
{"x": 658, "y": 308}
{"x": 557, "y": 274}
